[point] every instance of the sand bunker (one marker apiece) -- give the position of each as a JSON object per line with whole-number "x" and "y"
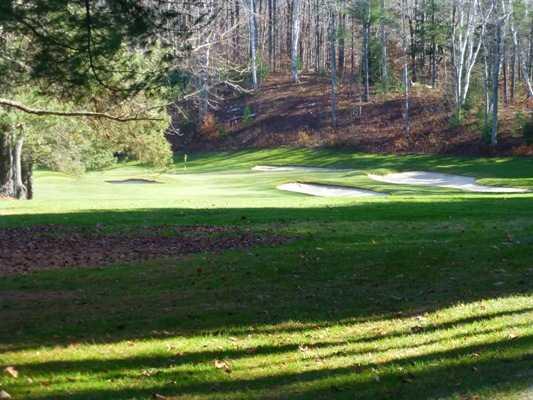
{"x": 268, "y": 168}
{"x": 315, "y": 189}
{"x": 441, "y": 180}
{"x": 133, "y": 182}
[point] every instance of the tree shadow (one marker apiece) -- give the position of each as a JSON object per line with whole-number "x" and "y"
{"x": 499, "y": 365}
{"x": 325, "y": 277}
{"x": 333, "y": 275}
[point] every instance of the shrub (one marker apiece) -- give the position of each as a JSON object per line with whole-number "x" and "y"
{"x": 247, "y": 115}
{"x": 483, "y": 126}
{"x": 457, "y": 119}
{"x": 208, "y": 127}
{"x": 262, "y": 69}
{"x": 527, "y": 130}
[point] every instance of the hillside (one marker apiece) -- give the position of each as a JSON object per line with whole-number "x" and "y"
{"x": 287, "y": 114}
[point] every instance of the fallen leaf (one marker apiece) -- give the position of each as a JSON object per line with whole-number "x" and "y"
{"x": 158, "y": 396}
{"x": 303, "y": 348}
{"x": 4, "y": 395}
{"x": 149, "y": 372}
{"x": 12, "y": 371}
{"x": 221, "y": 364}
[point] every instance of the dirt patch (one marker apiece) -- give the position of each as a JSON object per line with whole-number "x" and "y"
{"x": 24, "y": 250}
{"x": 133, "y": 182}
{"x": 25, "y": 295}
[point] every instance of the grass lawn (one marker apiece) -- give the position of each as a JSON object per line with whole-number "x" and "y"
{"x": 423, "y": 294}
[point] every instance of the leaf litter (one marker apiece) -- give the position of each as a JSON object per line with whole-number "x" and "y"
{"x": 28, "y": 249}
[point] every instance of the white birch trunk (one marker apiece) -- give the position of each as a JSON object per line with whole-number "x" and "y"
{"x": 333, "y": 45}
{"x": 522, "y": 58}
{"x": 467, "y": 36}
{"x": 295, "y": 39}
{"x": 253, "y": 42}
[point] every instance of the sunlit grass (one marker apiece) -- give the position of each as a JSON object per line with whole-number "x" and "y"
{"x": 425, "y": 294}
{"x": 465, "y": 346}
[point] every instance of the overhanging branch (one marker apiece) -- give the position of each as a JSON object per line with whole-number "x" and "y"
{"x": 36, "y": 111}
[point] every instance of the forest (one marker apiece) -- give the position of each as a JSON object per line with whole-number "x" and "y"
{"x": 266, "y": 199}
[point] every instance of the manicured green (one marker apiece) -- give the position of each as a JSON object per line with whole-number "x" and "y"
{"x": 424, "y": 294}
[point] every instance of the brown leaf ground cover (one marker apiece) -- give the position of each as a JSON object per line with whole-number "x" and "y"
{"x": 27, "y": 249}
{"x": 287, "y": 114}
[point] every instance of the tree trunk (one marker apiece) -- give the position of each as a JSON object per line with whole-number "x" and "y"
{"x": 317, "y": 37}
{"x": 270, "y": 43}
{"x": 15, "y": 169}
{"x": 406, "y": 79}
{"x": 342, "y": 28}
{"x": 513, "y": 74}
{"x": 413, "y": 49}
{"x": 253, "y": 43}
{"x": 383, "y": 38}
{"x": 237, "y": 36}
{"x": 505, "y": 68}
{"x": 274, "y": 34}
{"x": 7, "y": 182}
{"x": 20, "y": 189}
{"x": 433, "y": 47}
{"x": 366, "y": 55}
{"x": 333, "y": 44}
{"x": 495, "y": 84}
{"x": 530, "y": 55}
{"x": 522, "y": 63}
{"x": 295, "y": 37}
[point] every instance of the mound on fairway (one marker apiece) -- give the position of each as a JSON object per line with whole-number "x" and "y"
{"x": 133, "y": 181}
{"x": 466, "y": 183}
{"x": 270, "y": 168}
{"x": 315, "y": 189}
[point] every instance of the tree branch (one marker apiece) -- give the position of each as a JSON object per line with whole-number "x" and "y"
{"x": 36, "y": 111}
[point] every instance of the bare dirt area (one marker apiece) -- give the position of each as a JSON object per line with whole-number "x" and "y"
{"x": 283, "y": 113}
{"x": 24, "y": 250}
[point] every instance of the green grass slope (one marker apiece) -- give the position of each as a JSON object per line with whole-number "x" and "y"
{"x": 424, "y": 294}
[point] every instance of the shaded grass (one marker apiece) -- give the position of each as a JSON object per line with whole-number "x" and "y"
{"x": 424, "y": 295}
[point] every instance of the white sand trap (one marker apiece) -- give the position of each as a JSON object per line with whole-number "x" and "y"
{"x": 269, "y": 168}
{"x": 466, "y": 183}
{"x": 314, "y": 189}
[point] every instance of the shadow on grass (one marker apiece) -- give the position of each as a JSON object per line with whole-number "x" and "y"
{"x": 333, "y": 276}
{"x": 333, "y": 273}
{"x": 503, "y": 364}
{"x": 482, "y": 206}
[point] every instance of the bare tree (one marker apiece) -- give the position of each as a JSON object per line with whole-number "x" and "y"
{"x": 332, "y": 46}
{"x": 406, "y": 80}
{"x": 496, "y": 27}
{"x": 521, "y": 50}
{"x": 468, "y": 31}
{"x": 253, "y": 41}
{"x": 366, "y": 48}
{"x": 383, "y": 39}
{"x": 295, "y": 38}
